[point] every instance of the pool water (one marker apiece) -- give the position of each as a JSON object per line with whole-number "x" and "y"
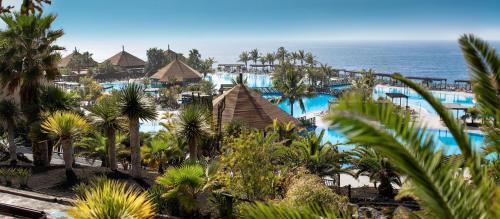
{"x": 319, "y": 103}
{"x": 316, "y": 103}
{"x": 416, "y": 100}
{"x": 442, "y": 137}
{"x": 253, "y": 80}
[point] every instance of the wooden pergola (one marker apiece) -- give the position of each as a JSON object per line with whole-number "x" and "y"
{"x": 456, "y": 107}
{"x": 399, "y": 96}
{"x": 466, "y": 84}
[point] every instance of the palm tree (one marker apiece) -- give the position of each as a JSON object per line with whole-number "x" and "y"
{"x": 301, "y": 56}
{"x": 30, "y": 6}
{"x": 365, "y": 83}
{"x": 9, "y": 114}
{"x": 106, "y": 116}
{"x": 54, "y": 99}
{"x": 460, "y": 189}
{"x": 254, "y": 55}
{"x": 367, "y": 161}
{"x": 244, "y": 57}
{"x": 66, "y": 126}
{"x": 270, "y": 57}
{"x": 28, "y": 58}
{"x": 289, "y": 82}
{"x": 32, "y": 57}
{"x": 93, "y": 147}
{"x": 184, "y": 184}
{"x": 322, "y": 159}
{"x": 281, "y": 54}
{"x": 192, "y": 125}
{"x": 162, "y": 149}
{"x": 135, "y": 105}
{"x": 310, "y": 60}
{"x": 112, "y": 199}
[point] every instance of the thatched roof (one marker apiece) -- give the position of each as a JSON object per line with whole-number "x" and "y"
{"x": 63, "y": 63}
{"x": 177, "y": 70}
{"x": 126, "y": 60}
{"x": 247, "y": 106}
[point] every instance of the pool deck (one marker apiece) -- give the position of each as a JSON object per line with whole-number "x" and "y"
{"x": 52, "y": 209}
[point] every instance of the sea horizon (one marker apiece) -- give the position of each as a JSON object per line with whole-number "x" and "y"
{"x": 424, "y": 58}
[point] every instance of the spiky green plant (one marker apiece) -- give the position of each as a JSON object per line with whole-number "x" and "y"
{"x": 192, "y": 125}
{"x": 323, "y": 159}
{"x": 106, "y": 116}
{"x": 289, "y": 81}
{"x": 112, "y": 199}
{"x": 135, "y": 105}
{"x": 65, "y": 127}
{"x": 270, "y": 211}
{"x": 443, "y": 188}
{"x": 184, "y": 184}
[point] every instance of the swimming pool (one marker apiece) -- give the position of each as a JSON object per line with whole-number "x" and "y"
{"x": 316, "y": 103}
{"x": 442, "y": 137}
{"x": 416, "y": 100}
{"x": 253, "y": 80}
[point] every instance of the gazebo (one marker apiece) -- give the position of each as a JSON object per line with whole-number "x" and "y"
{"x": 247, "y": 106}
{"x": 176, "y": 72}
{"x": 399, "y": 96}
{"x": 126, "y": 62}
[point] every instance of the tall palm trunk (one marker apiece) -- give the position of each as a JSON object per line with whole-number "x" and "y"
{"x": 193, "y": 150}
{"x": 11, "y": 136}
{"x": 68, "y": 159}
{"x": 291, "y": 106}
{"x": 111, "y": 148}
{"x": 135, "y": 153}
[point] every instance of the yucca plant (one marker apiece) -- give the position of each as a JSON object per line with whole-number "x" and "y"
{"x": 322, "y": 159}
{"x": 184, "y": 184}
{"x": 192, "y": 125}
{"x": 135, "y": 105}
{"x": 443, "y": 188}
{"x": 112, "y": 199}
{"x": 23, "y": 175}
{"x": 65, "y": 127}
{"x": 106, "y": 116}
{"x": 270, "y": 211}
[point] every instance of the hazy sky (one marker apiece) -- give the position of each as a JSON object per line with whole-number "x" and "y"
{"x": 102, "y": 26}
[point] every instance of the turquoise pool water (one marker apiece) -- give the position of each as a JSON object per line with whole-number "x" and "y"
{"x": 416, "y": 100}
{"x": 320, "y": 103}
{"x": 317, "y": 103}
{"x": 442, "y": 137}
{"x": 253, "y": 80}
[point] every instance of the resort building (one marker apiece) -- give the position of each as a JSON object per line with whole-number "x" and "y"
{"x": 176, "y": 72}
{"x": 247, "y": 106}
{"x": 126, "y": 62}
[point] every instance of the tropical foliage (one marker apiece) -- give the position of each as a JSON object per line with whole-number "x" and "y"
{"x": 112, "y": 199}
{"x": 445, "y": 189}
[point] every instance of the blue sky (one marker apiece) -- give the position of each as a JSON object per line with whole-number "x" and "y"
{"x": 102, "y": 26}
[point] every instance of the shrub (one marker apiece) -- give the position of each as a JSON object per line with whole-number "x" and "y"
{"x": 246, "y": 168}
{"x": 156, "y": 193}
{"x": 184, "y": 184}
{"x": 308, "y": 189}
{"x": 112, "y": 199}
{"x": 23, "y": 175}
{"x": 8, "y": 175}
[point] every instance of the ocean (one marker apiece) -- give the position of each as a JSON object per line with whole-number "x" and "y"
{"x": 411, "y": 58}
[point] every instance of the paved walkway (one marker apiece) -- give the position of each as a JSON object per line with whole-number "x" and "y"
{"x": 53, "y": 210}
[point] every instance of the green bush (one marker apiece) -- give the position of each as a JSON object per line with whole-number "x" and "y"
{"x": 306, "y": 189}
{"x": 11, "y": 175}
